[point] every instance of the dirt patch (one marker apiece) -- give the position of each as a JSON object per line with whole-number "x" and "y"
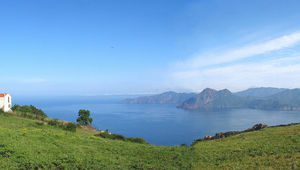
{"x": 89, "y": 128}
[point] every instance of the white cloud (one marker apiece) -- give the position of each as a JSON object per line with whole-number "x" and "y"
{"x": 242, "y": 53}
{"x": 241, "y": 76}
{"x": 201, "y": 72}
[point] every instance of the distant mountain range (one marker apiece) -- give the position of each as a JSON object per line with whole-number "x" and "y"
{"x": 285, "y": 100}
{"x": 164, "y": 98}
{"x": 213, "y": 100}
{"x": 259, "y": 92}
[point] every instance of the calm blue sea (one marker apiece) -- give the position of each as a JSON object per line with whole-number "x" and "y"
{"x": 157, "y": 124}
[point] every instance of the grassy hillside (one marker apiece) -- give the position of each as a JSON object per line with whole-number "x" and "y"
{"x": 29, "y": 144}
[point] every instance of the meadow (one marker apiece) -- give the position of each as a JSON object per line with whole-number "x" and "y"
{"x": 34, "y": 144}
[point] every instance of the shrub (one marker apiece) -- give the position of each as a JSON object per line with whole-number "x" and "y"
{"x": 29, "y": 111}
{"x": 118, "y": 137}
{"x": 70, "y": 127}
{"x": 54, "y": 122}
{"x": 121, "y": 137}
{"x": 104, "y": 135}
{"x": 137, "y": 140}
{"x": 112, "y": 136}
{"x": 39, "y": 123}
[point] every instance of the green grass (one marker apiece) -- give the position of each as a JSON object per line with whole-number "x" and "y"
{"x": 27, "y": 144}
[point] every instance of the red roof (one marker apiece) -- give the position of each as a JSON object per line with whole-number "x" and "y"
{"x": 3, "y": 94}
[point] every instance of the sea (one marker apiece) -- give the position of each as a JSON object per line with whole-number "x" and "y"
{"x": 158, "y": 124}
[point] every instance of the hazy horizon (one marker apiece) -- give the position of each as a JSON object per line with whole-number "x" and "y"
{"x": 125, "y": 95}
{"x": 147, "y": 47}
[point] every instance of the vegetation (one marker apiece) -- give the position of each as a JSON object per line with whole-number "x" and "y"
{"x": 84, "y": 117}
{"x": 62, "y": 124}
{"x": 120, "y": 137}
{"x": 55, "y": 122}
{"x": 33, "y": 144}
{"x": 231, "y": 133}
{"x": 70, "y": 127}
{"x": 29, "y": 111}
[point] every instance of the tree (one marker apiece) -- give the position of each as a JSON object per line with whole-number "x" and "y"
{"x": 84, "y": 117}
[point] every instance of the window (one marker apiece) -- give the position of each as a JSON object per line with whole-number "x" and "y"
{"x": 8, "y": 100}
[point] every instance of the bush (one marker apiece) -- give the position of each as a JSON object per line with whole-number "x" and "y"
{"x": 104, "y": 135}
{"x": 29, "y": 111}
{"x": 70, "y": 127}
{"x": 54, "y": 122}
{"x": 118, "y": 137}
{"x": 39, "y": 123}
{"x": 112, "y": 136}
{"x": 121, "y": 137}
{"x": 137, "y": 140}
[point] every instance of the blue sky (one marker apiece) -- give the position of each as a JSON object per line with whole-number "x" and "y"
{"x": 94, "y": 47}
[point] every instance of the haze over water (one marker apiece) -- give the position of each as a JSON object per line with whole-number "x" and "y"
{"x": 157, "y": 124}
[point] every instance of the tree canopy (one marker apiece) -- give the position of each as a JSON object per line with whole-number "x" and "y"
{"x": 84, "y": 117}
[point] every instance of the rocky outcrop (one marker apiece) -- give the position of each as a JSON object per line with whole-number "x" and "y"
{"x": 213, "y": 100}
{"x": 232, "y": 133}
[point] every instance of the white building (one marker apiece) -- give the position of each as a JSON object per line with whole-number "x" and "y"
{"x": 5, "y": 102}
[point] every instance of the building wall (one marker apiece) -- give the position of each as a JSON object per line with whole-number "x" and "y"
{"x": 1, "y": 102}
{"x": 6, "y": 103}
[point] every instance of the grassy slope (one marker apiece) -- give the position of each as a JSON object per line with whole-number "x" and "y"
{"x": 25, "y": 144}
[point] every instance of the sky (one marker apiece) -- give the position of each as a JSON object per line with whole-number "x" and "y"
{"x": 101, "y": 47}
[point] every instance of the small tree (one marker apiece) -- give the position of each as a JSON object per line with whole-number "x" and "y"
{"x": 84, "y": 117}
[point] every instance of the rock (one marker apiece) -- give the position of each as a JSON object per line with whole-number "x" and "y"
{"x": 208, "y": 137}
{"x": 257, "y": 127}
